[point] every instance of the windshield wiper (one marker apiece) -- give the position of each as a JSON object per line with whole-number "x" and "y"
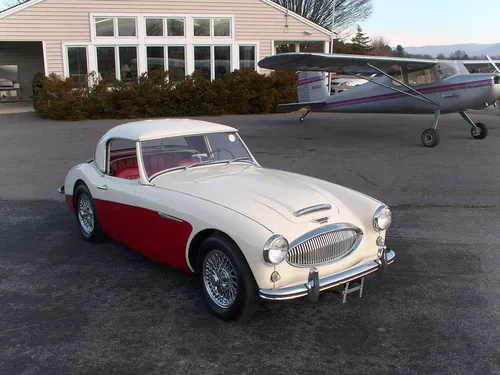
{"x": 243, "y": 158}
{"x": 202, "y": 163}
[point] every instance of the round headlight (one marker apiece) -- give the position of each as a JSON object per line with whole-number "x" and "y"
{"x": 275, "y": 249}
{"x": 382, "y": 218}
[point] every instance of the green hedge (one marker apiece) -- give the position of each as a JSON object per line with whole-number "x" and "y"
{"x": 241, "y": 92}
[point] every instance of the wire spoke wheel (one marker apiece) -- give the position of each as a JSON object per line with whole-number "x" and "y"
{"x": 86, "y": 214}
{"x": 220, "y": 279}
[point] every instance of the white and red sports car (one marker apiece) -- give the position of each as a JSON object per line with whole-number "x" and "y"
{"x": 189, "y": 194}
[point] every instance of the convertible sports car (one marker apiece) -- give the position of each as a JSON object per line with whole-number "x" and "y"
{"x": 189, "y": 194}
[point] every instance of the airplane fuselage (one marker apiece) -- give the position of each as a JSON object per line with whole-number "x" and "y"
{"x": 453, "y": 94}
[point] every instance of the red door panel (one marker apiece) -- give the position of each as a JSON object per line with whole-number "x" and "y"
{"x": 160, "y": 239}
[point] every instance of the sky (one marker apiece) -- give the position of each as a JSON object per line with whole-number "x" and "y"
{"x": 434, "y": 22}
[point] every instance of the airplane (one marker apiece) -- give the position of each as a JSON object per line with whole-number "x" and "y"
{"x": 402, "y": 85}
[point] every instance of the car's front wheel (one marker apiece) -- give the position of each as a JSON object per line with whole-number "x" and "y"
{"x": 229, "y": 288}
{"x": 86, "y": 215}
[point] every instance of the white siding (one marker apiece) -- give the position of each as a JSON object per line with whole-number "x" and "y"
{"x": 68, "y": 21}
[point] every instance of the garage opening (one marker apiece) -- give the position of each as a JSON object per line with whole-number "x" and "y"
{"x": 20, "y": 63}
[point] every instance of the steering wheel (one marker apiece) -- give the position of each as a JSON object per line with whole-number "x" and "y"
{"x": 218, "y": 150}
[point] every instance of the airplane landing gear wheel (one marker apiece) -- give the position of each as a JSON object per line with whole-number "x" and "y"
{"x": 430, "y": 137}
{"x": 480, "y": 132}
{"x": 301, "y": 119}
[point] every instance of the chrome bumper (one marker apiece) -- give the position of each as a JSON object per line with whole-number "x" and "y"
{"x": 61, "y": 190}
{"x": 315, "y": 285}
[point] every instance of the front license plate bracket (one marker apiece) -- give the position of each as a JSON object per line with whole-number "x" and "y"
{"x": 352, "y": 287}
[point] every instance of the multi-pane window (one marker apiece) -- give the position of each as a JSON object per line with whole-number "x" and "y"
{"x": 154, "y": 27}
{"x": 202, "y": 58}
{"x": 126, "y": 27}
{"x": 247, "y": 57}
{"x": 222, "y": 61}
{"x": 128, "y": 63}
{"x": 106, "y": 62}
{"x": 156, "y": 58}
{"x": 222, "y": 27}
{"x": 77, "y": 64}
{"x": 176, "y": 62}
{"x": 201, "y": 26}
{"x": 175, "y": 27}
{"x": 104, "y": 26}
{"x": 77, "y": 61}
{"x": 115, "y": 27}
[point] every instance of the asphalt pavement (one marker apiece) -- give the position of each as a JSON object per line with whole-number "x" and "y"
{"x": 70, "y": 307}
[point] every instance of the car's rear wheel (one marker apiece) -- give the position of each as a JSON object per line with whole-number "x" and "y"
{"x": 229, "y": 288}
{"x": 86, "y": 215}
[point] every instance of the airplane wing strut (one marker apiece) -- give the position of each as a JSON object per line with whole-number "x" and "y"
{"x": 420, "y": 97}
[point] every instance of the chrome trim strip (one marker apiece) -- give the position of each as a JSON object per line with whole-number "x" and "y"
{"x": 325, "y": 283}
{"x": 168, "y": 217}
{"x": 311, "y": 209}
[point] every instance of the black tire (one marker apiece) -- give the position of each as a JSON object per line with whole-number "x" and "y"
{"x": 483, "y": 131}
{"x": 430, "y": 137}
{"x": 81, "y": 198}
{"x": 247, "y": 300}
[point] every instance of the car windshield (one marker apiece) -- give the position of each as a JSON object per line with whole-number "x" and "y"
{"x": 192, "y": 151}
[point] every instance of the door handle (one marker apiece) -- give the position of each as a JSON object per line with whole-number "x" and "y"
{"x": 102, "y": 187}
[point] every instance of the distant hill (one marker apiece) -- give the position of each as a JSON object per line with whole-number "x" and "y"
{"x": 472, "y": 49}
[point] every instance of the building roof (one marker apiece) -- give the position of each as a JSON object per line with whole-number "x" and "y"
{"x": 162, "y": 128}
{"x": 17, "y": 7}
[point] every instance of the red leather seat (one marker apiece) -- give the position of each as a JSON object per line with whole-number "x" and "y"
{"x": 130, "y": 173}
{"x": 186, "y": 162}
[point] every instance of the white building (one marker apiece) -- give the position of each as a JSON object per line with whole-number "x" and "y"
{"x": 126, "y": 38}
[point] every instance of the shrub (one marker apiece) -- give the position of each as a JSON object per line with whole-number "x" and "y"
{"x": 154, "y": 95}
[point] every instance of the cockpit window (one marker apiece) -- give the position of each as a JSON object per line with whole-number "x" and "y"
{"x": 450, "y": 68}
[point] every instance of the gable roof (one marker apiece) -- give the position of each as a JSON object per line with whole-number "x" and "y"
{"x": 29, "y": 3}
{"x": 321, "y": 29}
{"x": 18, "y": 7}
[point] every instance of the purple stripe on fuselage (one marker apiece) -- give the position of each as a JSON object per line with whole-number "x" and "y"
{"x": 310, "y": 80}
{"x": 399, "y": 95}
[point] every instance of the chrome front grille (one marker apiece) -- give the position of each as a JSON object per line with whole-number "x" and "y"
{"x": 325, "y": 245}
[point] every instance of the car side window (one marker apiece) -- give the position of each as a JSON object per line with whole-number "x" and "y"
{"x": 122, "y": 159}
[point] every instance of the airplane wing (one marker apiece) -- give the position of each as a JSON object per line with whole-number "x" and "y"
{"x": 478, "y": 64}
{"x": 285, "y": 108}
{"x": 340, "y": 63}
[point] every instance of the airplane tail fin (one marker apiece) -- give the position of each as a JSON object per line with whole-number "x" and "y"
{"x": 311, "y": 87}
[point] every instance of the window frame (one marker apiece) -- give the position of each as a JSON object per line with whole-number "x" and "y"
{"x": 163, "y": 24}
{"x": 65, "y": 48}
{"x": 136, "y": 27}
{"x": 230, "y": 58}
{"x": 212, "y": 65}
{"x": 230, "y": 19}
{"x": 210, "y": 27}
{"x": 94, "y": 28}
{"x": 188, "y": 41}
{"x": 256, "y": 51}
{"x": 184, "y": 29}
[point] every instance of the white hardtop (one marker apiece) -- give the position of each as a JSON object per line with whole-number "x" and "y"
{"x": 155, "y": 129}
{"x": 161, "y": 128}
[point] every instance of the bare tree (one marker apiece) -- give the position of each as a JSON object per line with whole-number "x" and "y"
{"x": 459, "y": 55}
{"x": 347, "y": 12}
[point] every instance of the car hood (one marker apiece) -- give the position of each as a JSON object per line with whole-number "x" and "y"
{"x": 265, "y": 195}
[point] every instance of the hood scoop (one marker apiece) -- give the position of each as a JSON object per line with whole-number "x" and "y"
{"x": 312, "y": 209}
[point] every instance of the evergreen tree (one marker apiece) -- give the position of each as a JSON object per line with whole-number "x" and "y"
{"x": 360, "y": 42}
